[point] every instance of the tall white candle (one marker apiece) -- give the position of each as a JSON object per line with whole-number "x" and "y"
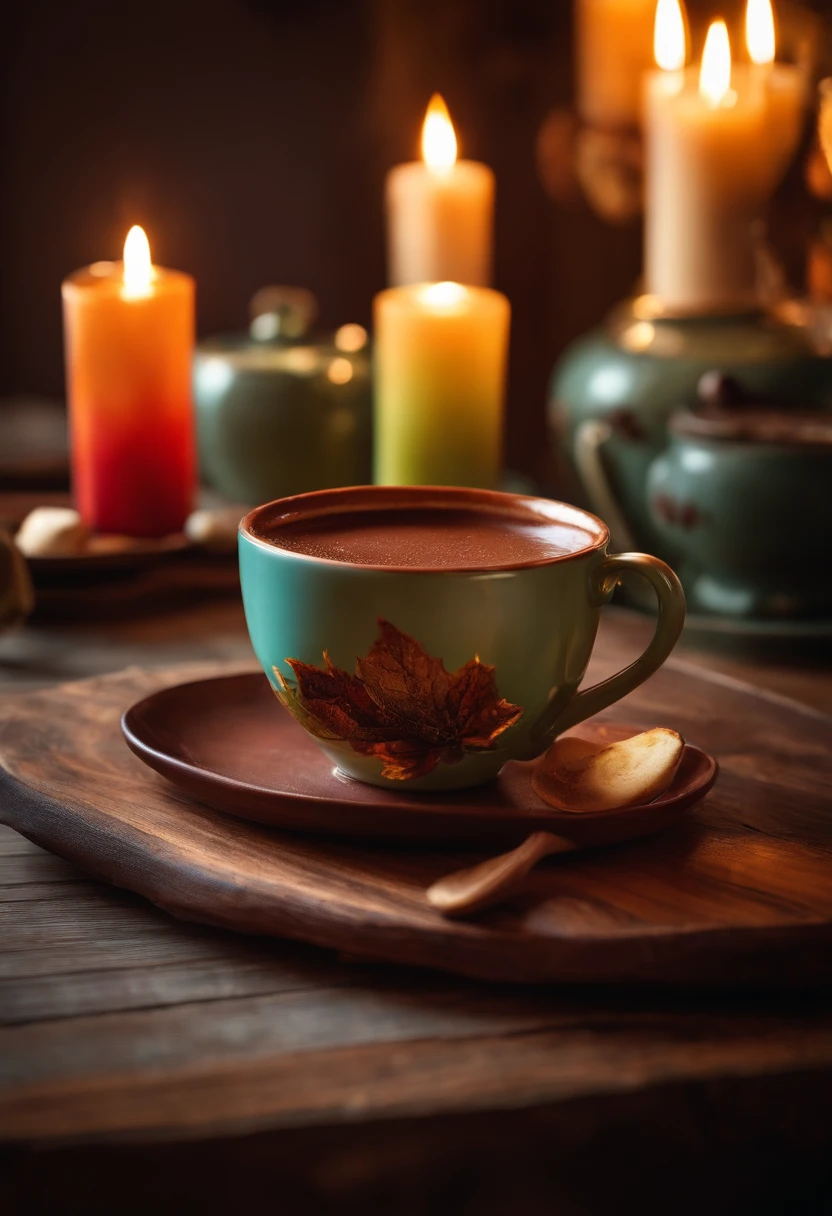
{"x": 440, "y": 212}
{"x": 714, "y": 146}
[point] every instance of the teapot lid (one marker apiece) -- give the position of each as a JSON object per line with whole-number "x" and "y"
{"x": 725, "y": 411}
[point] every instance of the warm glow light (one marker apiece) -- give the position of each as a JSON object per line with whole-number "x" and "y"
{"x": 444, "y": 295}
{"x": 438, "y": 138}
{"x": 638, "y": 336}
{"x": 715, "y": 73}
{"x": 669, "y": 48}
{"x": 759, "y": 31}
{"x": 351, "y": 338}
{"x": 138, "y": 271}
{"x": 340, "y": 371}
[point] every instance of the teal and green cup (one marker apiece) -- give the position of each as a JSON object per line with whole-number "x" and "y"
{"x": 431, "y": 677}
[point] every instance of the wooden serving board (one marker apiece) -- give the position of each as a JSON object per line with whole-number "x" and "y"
{"x": 740, "y": 892}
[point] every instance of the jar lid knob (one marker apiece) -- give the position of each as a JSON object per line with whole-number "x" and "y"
{"x": 281, "y": 312}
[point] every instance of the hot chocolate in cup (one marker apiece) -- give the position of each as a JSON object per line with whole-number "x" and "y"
{"x": 426, "y": 635}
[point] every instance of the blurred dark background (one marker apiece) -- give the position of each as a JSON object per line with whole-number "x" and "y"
{"x": 251, "y": 138}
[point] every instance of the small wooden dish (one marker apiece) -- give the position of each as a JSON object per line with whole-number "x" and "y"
{"x": 230, "y": 744}
{"x": 102, "y": 556}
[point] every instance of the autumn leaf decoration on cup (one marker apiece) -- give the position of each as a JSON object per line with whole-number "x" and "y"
{"x": 401, "y": 706}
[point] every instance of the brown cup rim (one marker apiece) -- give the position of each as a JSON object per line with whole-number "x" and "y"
{"x": 320, "y": 502}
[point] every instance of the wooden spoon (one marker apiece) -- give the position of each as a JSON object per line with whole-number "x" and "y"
{"x": 494, "y": 880}
{"x": 491, "y": 882}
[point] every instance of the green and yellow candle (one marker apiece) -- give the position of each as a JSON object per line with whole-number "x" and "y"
{"x": 441, "y": 353}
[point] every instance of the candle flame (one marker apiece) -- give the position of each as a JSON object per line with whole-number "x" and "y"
{"x": 759, "y": 31}
{"x": 138, "y": 271}
{"x": 669, "y": 48}
{"x": 715, "y": 73}
{"x": 438, "y": 137}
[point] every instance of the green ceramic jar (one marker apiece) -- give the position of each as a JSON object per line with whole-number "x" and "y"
{"x": 281, "y": 411}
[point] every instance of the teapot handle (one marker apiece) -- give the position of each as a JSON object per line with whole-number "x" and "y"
{"x": 587, "y": 451}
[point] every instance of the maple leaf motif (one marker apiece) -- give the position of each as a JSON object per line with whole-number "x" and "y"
{"x": 401, "y": 705}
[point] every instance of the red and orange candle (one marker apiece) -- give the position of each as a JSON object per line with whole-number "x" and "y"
{"x": 129, "y": 337}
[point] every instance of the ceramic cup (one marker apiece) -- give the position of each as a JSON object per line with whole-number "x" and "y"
{"x": 432, "y": 677}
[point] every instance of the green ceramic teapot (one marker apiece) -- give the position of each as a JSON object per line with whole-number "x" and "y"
{"x": 614, "y": 390}
{"x": 281, "y": 411}
{"x": 741, "y": 499}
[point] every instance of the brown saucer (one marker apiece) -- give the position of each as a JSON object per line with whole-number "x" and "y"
{"x": 230, "y": 744}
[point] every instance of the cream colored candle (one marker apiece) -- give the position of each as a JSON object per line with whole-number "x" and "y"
{"x": 440, "y": 211}
{"x": 708, "y": 175}
{"x": 440, "y": 366}
{"x": 716, "y": 145}
{"x": 614, "y": 50}
{"x": 783, "y": 85}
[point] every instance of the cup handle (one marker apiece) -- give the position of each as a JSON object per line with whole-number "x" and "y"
{"x": 669, "y": 624}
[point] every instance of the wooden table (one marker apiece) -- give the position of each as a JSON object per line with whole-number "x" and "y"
{"x": 162, "y": 1066}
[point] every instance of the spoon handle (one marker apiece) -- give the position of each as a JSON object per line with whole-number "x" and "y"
{"x": 494, "y": 880}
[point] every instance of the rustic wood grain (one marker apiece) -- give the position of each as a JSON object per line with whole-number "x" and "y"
{"x": 396, "y": 1077}
{"x": 219, "y": 1033}
{"x": 473, "y": 1098}
{"x": 739, "y": 894}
